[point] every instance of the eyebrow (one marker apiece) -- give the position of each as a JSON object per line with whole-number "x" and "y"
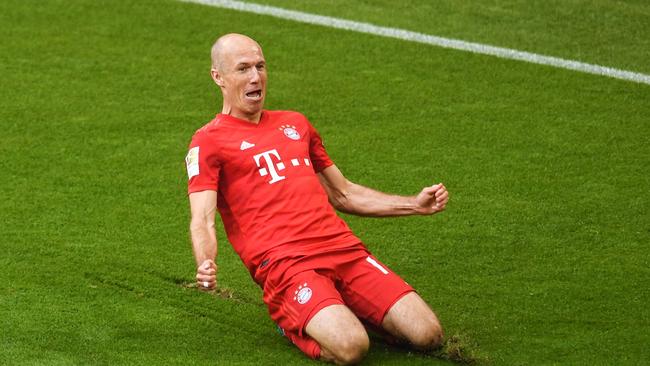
{"x": 249, "y": 64}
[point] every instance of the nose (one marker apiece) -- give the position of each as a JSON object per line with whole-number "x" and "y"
{"x": 255, "y": 75}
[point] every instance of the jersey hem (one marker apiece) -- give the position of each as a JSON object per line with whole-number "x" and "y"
{"x": 195, "y": 189}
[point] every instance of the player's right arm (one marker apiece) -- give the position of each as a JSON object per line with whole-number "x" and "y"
{"x": 203, "y": 206}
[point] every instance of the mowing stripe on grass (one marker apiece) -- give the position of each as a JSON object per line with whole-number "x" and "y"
{"x": 456, "y": 44}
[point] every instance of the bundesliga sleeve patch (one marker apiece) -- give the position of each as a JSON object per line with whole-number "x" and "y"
{"x": 192, "y": 162}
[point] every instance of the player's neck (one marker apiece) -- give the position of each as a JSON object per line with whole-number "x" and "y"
{"x": 252, "y": 118}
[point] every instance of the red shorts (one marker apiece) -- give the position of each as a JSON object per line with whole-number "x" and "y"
{"x": 296, "y": 289}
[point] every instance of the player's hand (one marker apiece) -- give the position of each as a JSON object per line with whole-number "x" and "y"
{"x": 206, "y": 275}
{"x": 432, "y": 199}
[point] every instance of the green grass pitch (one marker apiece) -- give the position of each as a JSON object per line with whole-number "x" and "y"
{"x": 541, "y": 258}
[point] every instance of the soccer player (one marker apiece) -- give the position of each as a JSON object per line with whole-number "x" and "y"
{"x": 276, "y": 190}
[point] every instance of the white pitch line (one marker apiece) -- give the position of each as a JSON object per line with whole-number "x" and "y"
{"x": 402, "y": 34}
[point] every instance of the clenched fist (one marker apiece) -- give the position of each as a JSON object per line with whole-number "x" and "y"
{"x": 206, "y": 275}
{"x": 432, "y": 199}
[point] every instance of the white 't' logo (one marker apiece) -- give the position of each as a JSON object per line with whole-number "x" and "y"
{"x": 275, "y": 177}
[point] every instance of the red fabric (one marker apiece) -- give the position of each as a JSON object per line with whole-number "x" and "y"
{"x": 344, "y": 277}
{"x": 305, "y": 343}
{"x": 269, "y": 196}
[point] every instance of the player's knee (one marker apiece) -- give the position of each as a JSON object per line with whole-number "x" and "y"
{"x": 428, "y": 337}
{"x": 352, "y": 348}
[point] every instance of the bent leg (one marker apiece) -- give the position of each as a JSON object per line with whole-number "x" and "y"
{"x": 341, "y": 336}
{"x": 411, "y": 319}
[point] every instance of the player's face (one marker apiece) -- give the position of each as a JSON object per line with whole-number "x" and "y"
{"x": 244, "y": 81}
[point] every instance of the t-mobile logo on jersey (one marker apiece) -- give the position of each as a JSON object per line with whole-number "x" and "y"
{"x": 272, "y": 167}
{"x": 275, "y": 177}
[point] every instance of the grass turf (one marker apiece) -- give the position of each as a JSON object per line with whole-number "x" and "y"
{"x": 603, "y": 32}
{"x": 542, "y": 257}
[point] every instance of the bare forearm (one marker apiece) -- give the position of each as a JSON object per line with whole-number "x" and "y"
{"x": 204, "y": 241}
{"x": 364, "y": 201}
{"x": 355, "y": 199}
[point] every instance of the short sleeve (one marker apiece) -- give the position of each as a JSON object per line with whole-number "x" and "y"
{"x": 202, "y": 165}
{"x": 317, "y": 153}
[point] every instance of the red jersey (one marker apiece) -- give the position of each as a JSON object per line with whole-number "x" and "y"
{"x": 268, "y": 194}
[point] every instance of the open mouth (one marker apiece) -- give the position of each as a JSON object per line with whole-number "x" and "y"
{"x": 255, "y": 94}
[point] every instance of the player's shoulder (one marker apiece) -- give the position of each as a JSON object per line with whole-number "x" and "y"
{"x": 206, "y": 136}
{"x": 291, "y": 118}
{"x": 286, "y": 114}
{"x": 207, "y": 131}
{"x": 208, "y": 127}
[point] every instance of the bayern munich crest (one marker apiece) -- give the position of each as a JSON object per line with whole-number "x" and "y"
{"x": 290, "y": 132}
{"x": 303, "y": 294}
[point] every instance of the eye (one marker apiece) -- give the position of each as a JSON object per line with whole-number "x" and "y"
{"x": 261, "y": 66}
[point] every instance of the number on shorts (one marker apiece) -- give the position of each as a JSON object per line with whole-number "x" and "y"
{"x": 377, "y": 265}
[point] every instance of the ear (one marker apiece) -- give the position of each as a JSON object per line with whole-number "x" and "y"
{"x": 216, "y": 76}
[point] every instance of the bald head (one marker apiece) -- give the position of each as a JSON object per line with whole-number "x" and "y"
{"x": 229, "y": 45}
{"x": 239, "y": 69}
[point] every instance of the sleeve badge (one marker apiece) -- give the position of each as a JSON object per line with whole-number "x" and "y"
{"x": 192, "y": 162}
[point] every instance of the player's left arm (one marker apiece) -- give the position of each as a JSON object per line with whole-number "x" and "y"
{"x": 356, "y": 199}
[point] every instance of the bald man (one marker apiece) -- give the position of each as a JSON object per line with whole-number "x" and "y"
{"x": 276, "y": 190}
